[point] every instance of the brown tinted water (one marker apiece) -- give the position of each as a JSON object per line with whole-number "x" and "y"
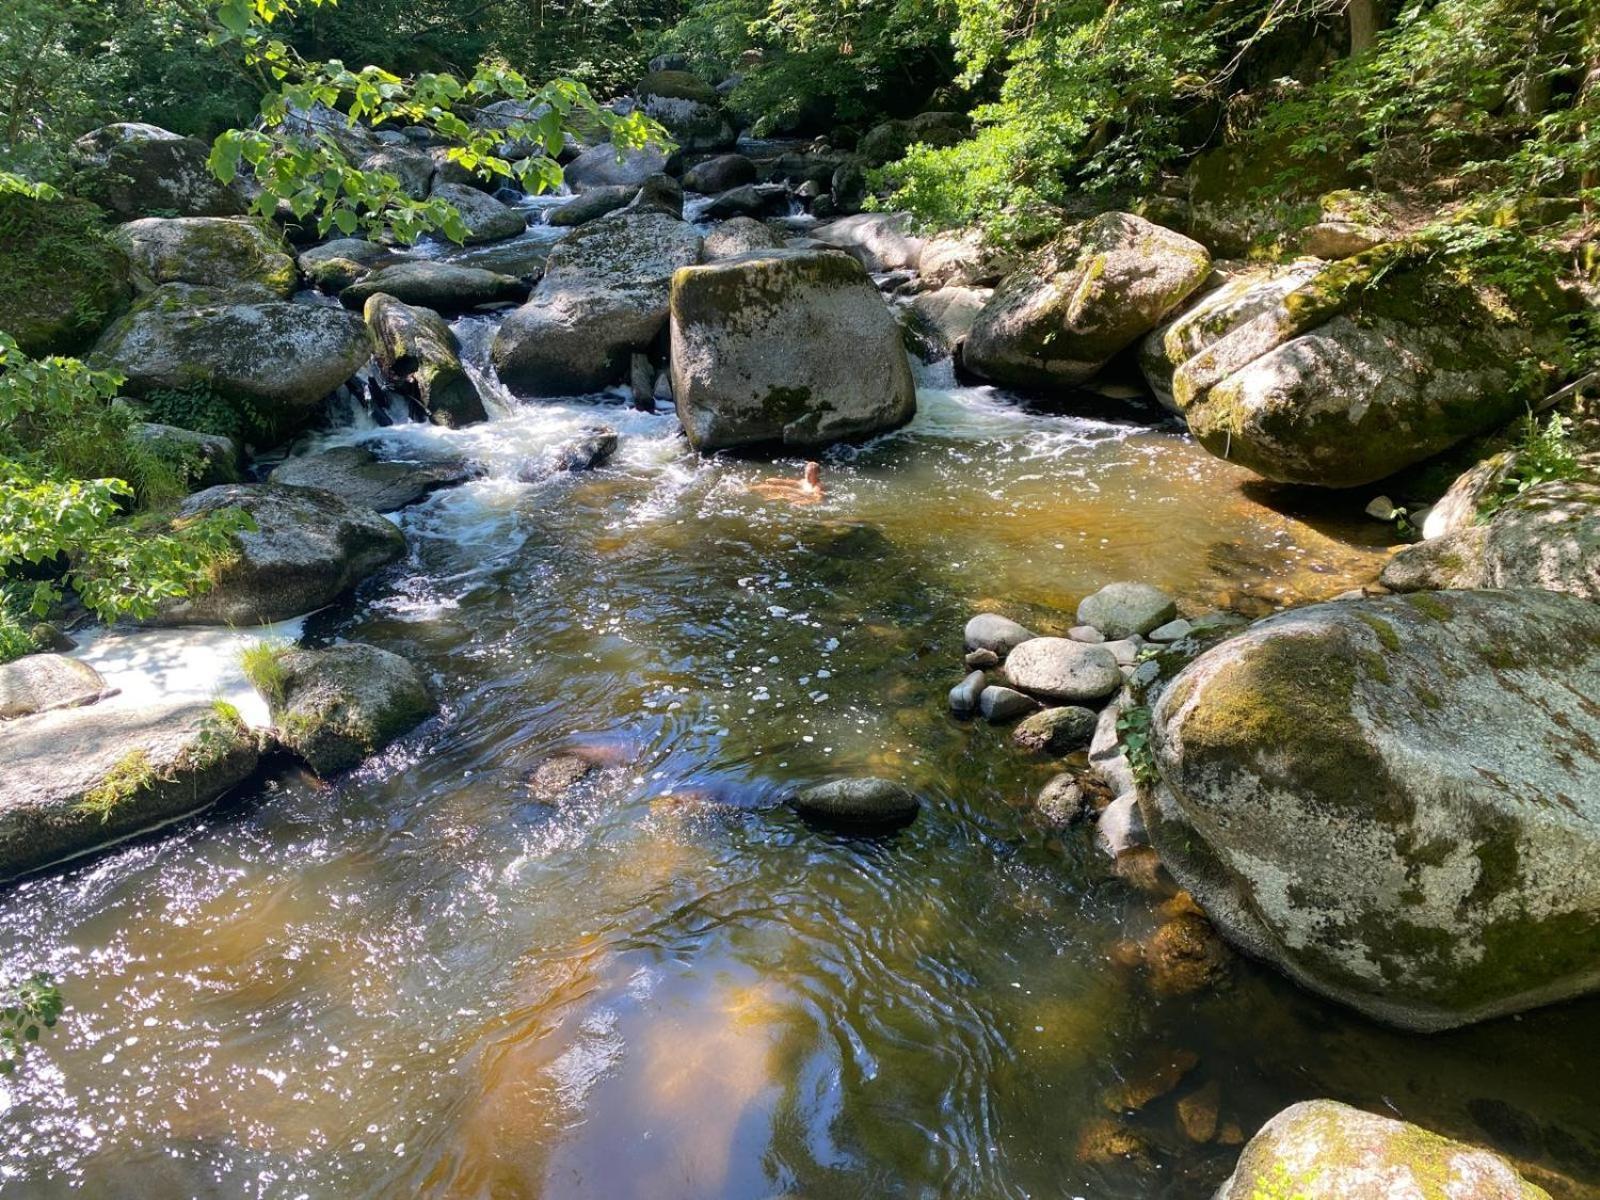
{"x": 419, "y": 981}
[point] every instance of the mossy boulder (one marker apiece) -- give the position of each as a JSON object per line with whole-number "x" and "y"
{"x": 1363, "y": 367}
{"x": 309, "y": 547}
{"x": 64, "y": 277}
{"x": 1323, "y": 1150}
{"x": 888, "y": 141}
{"x": 1083, "y": 299}
{"x": 689, "y": 108}
{"x": 335, "y": 707}
{"x": 791, "y": 348}
{"x": 419, "y": 356}
{"x": 602, "y": 299}
{"x": 135, "y": 170}
{"x": 207, "y": 252}
{"x": 277, "y": 359}
{"x": 79, "y": 779}
{"x": 1396, "y": 801}
{"x": 1548, "y": 537}
{"x": 1247, "y": 198}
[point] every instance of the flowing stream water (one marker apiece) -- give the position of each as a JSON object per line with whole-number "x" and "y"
{"x": 416, "y": 980}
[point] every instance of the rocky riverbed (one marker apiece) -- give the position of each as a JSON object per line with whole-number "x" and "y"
{"x": 969, "y": 818}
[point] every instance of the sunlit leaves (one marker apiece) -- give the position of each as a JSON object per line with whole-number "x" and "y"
{"x": 26, "y": 1009}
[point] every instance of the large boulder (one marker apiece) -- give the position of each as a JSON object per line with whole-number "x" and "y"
{"x": 607, "y": 166}
{"x": 420, "y": 357}
{"x": 786, "y": 347}
{"x": 207, "y": 252}
{"x": 443, "y": 287}
{"x": 356, "y": 474}
{"x": 603, "y": 297}
{"x": 1364, "y": 367}
{"x": 1240, "y": 298}
{"x": 280, "y": 359}
{"x": 134, "y": 170}
{"x": 37, "y": 683}
{"x": 1322, "y": 1150}
{"x": 486, "y": 219}
{"x": 1396, "y": 801}
{"x": 412, "y": 169}
{"x": 1548, "y": 537}
{"x": 689, "y": 109}
{"x": 1083, "y": 299}
{"x": 335, "y": 707}
{"x": 882, "y": 241}
{"x": 78, "y": 779}
{"x": 309, "y": 547}
{"x": 740, "y": 235}
{"x": 720, "y": 174}
{"x": 64, "y": 277}
{"x": 938, "y": 322}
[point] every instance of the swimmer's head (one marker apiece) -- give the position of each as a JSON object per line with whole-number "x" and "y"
{"x": 813, "y": 473}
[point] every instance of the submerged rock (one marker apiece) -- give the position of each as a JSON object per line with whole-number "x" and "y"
{"x": 309, "y": 548}
{"x": 338, "y": 706}
{"x": 787, "y": 348}
{"x": 78, "y": 779}
{"x": 604, "y": 297}
{"x": 279, "y": 358}
{"x": 1001, "y": 704}
{"x": 419, "y": 356}
{"x": 1548, "y": 537}
{"x": 1089, "y": 295}
{"x": 589, "y": 449}
{"x": 207, "y": 251}
{"x": 135, "y": 170}
{"x": 1322, "y": 1150}
{"x": 443, "y": 287}
{"x": 1314, "y": 797}
{"x": 1121, "y": 610}
{"x": 37, "y": 683}
{"x": 859, "y": 803}
{"x": 965, "y": 696}
{"x": 1364, "y": 367}
{"x": 355, "y": 474}
{"x": 1061, "y": 669}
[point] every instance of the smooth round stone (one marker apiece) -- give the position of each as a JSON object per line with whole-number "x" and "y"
{"x": 1056, "y": 730}
{"x": 1125, "y": 650}
{"x": 991, "y": 631}
{"x": 869, "y": 803}
{"x": 982, "y": 660}
{"x": 1119, "y": 609}
{"x": 1086, "y": 633}
{"x": 1001, "y": 704}
{"x": 1060, "y": 669}
{"x": 1172, "y": 631}
{"x": 964, "y": 696}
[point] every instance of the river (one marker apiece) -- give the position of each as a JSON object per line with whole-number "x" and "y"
{"x": 417, "y": 980}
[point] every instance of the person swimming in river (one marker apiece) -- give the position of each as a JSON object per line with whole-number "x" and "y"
{"x": 805, "y": 490}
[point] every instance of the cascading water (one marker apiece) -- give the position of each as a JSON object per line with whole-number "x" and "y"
{"x": 419, "y": 980}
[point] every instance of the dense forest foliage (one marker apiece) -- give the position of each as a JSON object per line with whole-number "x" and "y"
{"x": 1471, "y": 127}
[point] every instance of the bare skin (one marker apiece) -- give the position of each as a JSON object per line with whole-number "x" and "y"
{"x": 805, "y": 490}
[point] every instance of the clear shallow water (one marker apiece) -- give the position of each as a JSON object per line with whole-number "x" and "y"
{"x": 416, "y": 980}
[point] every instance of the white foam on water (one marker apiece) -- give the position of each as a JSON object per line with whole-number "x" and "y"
{"x": 188, "y": 664}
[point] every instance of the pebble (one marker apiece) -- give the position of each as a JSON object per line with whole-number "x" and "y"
{"x": 1062, "y": 801}
{"x": 997, "y": 634}
{"x": 982, "y": 660}
{"x": 1086, "y": 633}
{"x": 1381, "y": 509}
{"x": 1121, "y": 826}
{"x": 1002, "y": 704}
{"x": 964, "y": 696}
{"x": 1172, "y": 631}
{"x": 1126, "y": 650}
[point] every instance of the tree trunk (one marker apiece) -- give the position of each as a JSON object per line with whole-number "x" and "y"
{"x": 1363, "y": 25}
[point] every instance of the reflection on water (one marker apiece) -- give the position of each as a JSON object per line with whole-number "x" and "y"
{"x": 420, "y": 980}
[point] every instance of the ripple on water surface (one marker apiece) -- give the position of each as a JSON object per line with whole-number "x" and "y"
{"x": 420, "y": 980}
